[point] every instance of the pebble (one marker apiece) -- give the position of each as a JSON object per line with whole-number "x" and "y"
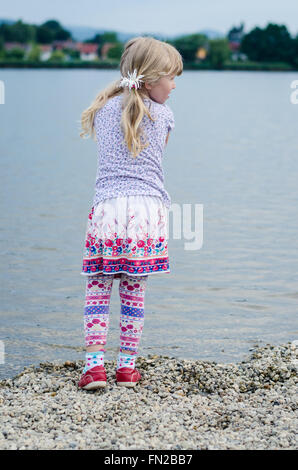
{"x": 179, "y": 404}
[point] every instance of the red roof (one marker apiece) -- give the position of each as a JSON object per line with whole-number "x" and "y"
{"x": 234, "y": 46}
{"x": 12, "y": 45}
{"x": 87, "y": 48}
{"x": 68, "y": 43}
{"x": 45, "y": 47}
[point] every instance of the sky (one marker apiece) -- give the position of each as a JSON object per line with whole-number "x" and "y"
{"x": 167, "y": 17}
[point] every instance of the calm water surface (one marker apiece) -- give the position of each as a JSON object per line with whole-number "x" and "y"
{"x": 234, "y": 150}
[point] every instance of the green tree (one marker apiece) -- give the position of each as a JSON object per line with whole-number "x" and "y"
{"x": 16, "y": 53}
{"x": 63, "y": 35}
{"x": 2, "y": 50}
{"x": 57, "y": 56}
{"x": 115, "y": 51}
{"x": 35, "y": 53}
{"x": 53, "y": 25}
{"x": 107, "y": 36}
{"x": 60, "y": 34}
{"x": 188, "y": 45}
{"x": 272, "y": 44}
{"x": 73, "y": 54}
{"x": 21, "y": 32}
{"x": 219, "y": 52}
{"x": 17, "y": 32}
{"x": 5, "y": 32}
{"x": 294, "y": 58}
{"x": 101, "y": 39}
{"x": 51, "y": 31}
{"x": 44, "y": 35}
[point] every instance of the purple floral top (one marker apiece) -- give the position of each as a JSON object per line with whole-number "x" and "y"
{"x": 118, "y": 173}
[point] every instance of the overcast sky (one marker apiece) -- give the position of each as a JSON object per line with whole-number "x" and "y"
{"x": 156, "y": 16}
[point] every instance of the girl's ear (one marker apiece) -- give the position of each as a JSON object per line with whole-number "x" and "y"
{"x": 147, "y": 86}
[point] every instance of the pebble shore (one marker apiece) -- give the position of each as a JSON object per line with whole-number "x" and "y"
{"x": 178, "y": 405}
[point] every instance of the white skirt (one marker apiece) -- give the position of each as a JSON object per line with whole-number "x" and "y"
{"x": 129, "y": 235}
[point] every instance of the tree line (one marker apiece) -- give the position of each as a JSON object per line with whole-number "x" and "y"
{"x": 273, "y": 43}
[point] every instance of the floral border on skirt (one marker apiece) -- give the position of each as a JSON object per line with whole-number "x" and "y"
{"x": 117, "y": 255}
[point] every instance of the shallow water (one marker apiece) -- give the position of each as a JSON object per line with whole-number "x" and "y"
{"x": 234, "y": 150}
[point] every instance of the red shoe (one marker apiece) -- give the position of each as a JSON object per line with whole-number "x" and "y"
{"x": 127, "y": 377}
{"x": 94, "y": 378}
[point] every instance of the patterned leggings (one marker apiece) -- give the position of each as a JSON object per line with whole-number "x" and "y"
{"x": 97, "y": 306}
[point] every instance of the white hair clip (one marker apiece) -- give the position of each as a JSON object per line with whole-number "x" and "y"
{"x": 133, "y": 81}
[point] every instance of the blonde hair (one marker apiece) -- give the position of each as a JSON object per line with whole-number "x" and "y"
{"x": 153, "y": 59}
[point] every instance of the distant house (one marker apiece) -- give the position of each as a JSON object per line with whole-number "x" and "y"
{"x": 235, "y": 36}
{"x": 69, "y": 44}
{"x": 8, "y": 46}
{"x": 234, "y": 46}
{"x": 46, "y": 51}
{"x": 236, "y": 54}
{"x": 88, "y": 51}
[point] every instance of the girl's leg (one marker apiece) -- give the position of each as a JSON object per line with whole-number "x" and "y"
{"x": 132, "y": 293}
{"x": 96, "y": 317}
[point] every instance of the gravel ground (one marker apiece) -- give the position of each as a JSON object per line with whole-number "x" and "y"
{"x": 179, "y": 404}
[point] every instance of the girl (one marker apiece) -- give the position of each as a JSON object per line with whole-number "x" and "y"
{"x": 126, "y": 236}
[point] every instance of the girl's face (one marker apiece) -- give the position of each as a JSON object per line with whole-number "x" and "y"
{"x": 161, "y": 90}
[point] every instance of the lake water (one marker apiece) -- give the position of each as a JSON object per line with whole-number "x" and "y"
{"x": 234, "y": 150}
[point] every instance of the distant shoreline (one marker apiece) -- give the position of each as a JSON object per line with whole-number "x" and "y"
{"x": 239, "y": 66}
